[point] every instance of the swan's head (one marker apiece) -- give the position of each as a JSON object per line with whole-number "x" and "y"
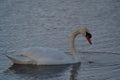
{"x": 85, "y": 32}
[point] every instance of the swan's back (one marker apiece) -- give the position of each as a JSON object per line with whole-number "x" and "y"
{"x": 41, "y": 56}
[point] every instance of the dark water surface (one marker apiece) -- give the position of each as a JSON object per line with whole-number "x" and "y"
{"x": 28, "y": 23}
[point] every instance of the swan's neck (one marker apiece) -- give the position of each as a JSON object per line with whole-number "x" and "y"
{"x": 71, "y": 42}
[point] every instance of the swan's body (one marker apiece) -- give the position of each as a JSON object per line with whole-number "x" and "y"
{"x": 47, "y": 56}
{"x": 41, "y": 56}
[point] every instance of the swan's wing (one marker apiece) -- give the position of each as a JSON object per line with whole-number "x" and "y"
{"x": 19, "y": 59}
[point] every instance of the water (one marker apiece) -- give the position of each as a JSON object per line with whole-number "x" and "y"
{"x": 28, "y": 23}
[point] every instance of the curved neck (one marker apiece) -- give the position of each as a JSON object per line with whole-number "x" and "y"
{"x": 71, "y": 43}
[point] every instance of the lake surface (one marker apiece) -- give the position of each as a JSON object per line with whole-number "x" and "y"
{"x": 49, "y": 23}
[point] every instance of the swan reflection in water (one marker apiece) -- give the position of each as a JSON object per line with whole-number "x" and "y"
{"x": 45, "y": 72}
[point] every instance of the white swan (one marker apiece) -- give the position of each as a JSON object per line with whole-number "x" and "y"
{"x": 49, "y": 56}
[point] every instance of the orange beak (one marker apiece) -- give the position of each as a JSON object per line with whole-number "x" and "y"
{"x": 89, "y": 40}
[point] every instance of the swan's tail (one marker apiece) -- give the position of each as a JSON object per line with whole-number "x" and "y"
{"x": 17, "y": 59}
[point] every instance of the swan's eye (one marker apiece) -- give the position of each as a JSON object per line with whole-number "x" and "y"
{"x": 88, "y": 35}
